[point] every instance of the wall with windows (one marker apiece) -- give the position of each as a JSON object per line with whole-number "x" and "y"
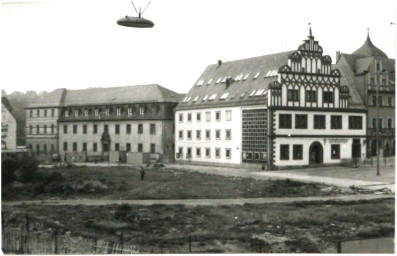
{"x": 148, "y": 136}
{"x": 216, "y": 135}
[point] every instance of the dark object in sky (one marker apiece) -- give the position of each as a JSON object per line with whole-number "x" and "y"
{"x": 136, "y": 22}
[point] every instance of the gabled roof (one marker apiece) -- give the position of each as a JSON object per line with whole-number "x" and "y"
{"x": 237, "y": 81}
{"x": 52, "y": 99}
{"x": 369, "y": 49}
{"x": 348, "y": 79}
{"x": 120, "y": 95}
{"x": 6, "y": 103}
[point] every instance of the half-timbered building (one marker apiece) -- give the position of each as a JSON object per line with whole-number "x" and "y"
{"x": 278, "y": 110}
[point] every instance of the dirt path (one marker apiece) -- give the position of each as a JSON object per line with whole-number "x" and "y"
{"x": 198, "y": 202}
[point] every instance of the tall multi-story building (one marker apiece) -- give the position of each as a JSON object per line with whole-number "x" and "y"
{"x": 366, "y": 69}
{"x": 132, "y": 119}
{"x": 41, "y": 127}
{"x": 8, "y": 127}
{"x": 279, "y": 110}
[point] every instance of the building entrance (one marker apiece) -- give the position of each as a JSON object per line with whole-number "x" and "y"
{"x": 316, "y": 153}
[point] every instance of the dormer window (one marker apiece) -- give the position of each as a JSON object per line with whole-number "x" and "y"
{"x": 256, "y": 75}
{"x": 118, "y": 111}
{"x": 209, "y": 81}
{"x": 129, "y": 111}
{"x": 107, "y": 111}
{"x": 76, "y": 113}
{"x": 245, "y": 77}
{"x": 66, "y": 113}
{"x": 141, "y": 110}
{"x": 86, "y": 112}
{"x": 96, "y": 112}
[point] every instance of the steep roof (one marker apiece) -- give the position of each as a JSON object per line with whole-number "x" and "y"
{"x": 369, "y": 49}
{"x": 119, "y": 95}
{"x": 348, "y": 79}
{"x": 245, "y": 76}
{"x": 6, "y": 103}
{"x": 52, "y": 99}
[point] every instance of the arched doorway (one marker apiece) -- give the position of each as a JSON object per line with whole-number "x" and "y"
{"x": 316, "y": 153}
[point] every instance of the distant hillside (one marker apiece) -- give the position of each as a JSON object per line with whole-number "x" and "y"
{"x": 19, "y": 101}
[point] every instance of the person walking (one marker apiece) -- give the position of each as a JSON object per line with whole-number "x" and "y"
{"x": 142, "y": 171}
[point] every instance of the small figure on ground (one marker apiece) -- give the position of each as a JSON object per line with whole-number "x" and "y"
{"x": 142, "y": 171}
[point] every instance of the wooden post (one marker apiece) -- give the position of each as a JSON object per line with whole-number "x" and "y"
{"x": 121, "y": 242}
{"x": 27, "y": 234}
{"x": 95, "y": 244}
{"x": 190, "y": 244}
{"x": 56, "y": 241}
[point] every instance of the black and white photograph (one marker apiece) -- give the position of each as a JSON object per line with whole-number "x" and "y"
{"x": 197, "y": 126}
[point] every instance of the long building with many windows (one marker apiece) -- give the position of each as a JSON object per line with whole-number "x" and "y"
{"x": 278, "y": 110}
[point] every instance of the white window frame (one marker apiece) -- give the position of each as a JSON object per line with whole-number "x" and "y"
{"x": 118, "y": 111}
{"x": 228, "y": 138}
{"x": 76, "y": 112}
{"x": 86, "y": 112}
{"x": 228, "y": 115}
{"x": 107, "y": 111}
{"x": 129, "y": 111}
{"x": 230, "y": 153}
{"x": 208, "y": 116}
{"x": 66, "y": 113}
{"x": 96, "y": 112}
{"x": 141, "y": 110}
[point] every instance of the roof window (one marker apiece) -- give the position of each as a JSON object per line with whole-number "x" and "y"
{"x": 205, "y": 98}
{"x": 246, "y": 76}
{"x": 219, "y": 80}
{"x": 195, "y": 99}
{"x": 209, "y": 81}
{"x": 253, "y": 93}
{"x": 224, "y": 96}
{"x": 256, "y": 75}
{"x": 259, "y": 92}
{"x": 213, "y": 96}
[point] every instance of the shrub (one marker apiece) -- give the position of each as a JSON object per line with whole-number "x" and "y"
{"x": 122, "y": 211}
{"x": 28, "y": 168}
{"x": 8, "y": 168}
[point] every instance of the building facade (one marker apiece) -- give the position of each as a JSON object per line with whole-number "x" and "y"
{"x": 367, "y": 69}
{"x": 8, "y": 127}
{"x": 41, "y": 126}
{"x": 97, "y": 121}
{"x": 279, "y": 110}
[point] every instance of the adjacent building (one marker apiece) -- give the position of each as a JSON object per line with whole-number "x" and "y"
{"x": 41, "y": 127}
{"x": 96, "y": 121}
{"x": 278, "y": 110}
{"x": 367, "y": 69}
{"x": 8, "y": 127}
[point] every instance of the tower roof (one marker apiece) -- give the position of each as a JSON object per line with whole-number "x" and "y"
{"x": 369, "y": 49}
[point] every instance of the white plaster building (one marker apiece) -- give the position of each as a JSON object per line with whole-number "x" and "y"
{"x": 8, "y": 127}
{"x": 284, "y": 109}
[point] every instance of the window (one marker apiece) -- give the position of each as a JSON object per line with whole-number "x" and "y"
{"x": 140, "y": 128}
{"x": 117, "y": 129}
{"x": 218, "y": 134}
{"x": 65, "y": 146}
{"x": 38, "y": 114}
{"x": 118, "y": 111}
{"x": 311, "y": 96}
{"x": 319, "y": 122}
{"x": 141, "y": 110}
{"x": 45, "y": 129}
{"x": 189, "y": 135}
{"x": 228, "y": 134}
{"x": 380, "y": 100}
{"x": 85, "y": 129}
{"x": 95, "y": 130}
{"x": 373, "y": 100}
{"x": 372, "y": 81}
{"x": 107, "y": 111}
{"x": 228, "y": 153}
{"x": 218, "y": 116}
{"x": 198, "y": 117}
{"x": 116, "y": 146}
{"x": 208, "y": 116}
{"x": 76, "y": 112}
{"x": 65, "y": 129}
{"x": 128, "y": 129}
{"x": 86, "y": 112}
{"x": 208, "y": 152}
{"x": 152, "y": 148}
{"x": 189, "y": 153}
{"x": 355, "y": 122}
{"x": 285, "y": 121}
{"x": 38, "y": 148}
{"x": 389, "y": 123}
{"x": 208, "y": 134}
{"x": 38, "y": 129}
{"x": 228, "y": 115}
{"x": 374, "y": 123}
{"x": 74, "y": 146}
{"x": 180, "y": 117}
{"x": 293, "y": 95}
{"x": 66, "y": 113}
{"x": 383, "y": 82}
{"x": 52, "y": 112}
{"x": 52, "y": 129}
{"x": 45, "y": 112}
{"x": 129, "y": 111}
{"x": 45, "y": 148}
{"x": 74, "y": 129}
{"x": 198, "y": 134}
{"x": 30, "y": 113}
{"x": 84, "y": 147}
{"x": 30, "y": 129}
{"x": 106, "y": 128}
{"x": 95, "y": 147}
{"x": 335, "y": 151}
{"x": 297, "y": 152}
{"x": 96, "y": 112}
{"x": 128, "y": 147}
{"x": 328, "y": 97}
{"x": 189, "y": 117}
{"x": 198, "y": 152}
{"x": 52, "y": 148}
{"x": 390, "y": 101}
{"x": 380, "y": 123}
{"x": 180, "y": 135}
{"x": 140, "y": 147}
{"x": 180, "y": 151}
{"x": 336, "y": 122}
{"x": 284, "y": 152}
{"x": 301, "y": 121}
{"x": 152, "y": 129}
{"x": 218, "y": 153}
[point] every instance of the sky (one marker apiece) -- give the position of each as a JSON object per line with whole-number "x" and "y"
{"x": 77, "y": 44}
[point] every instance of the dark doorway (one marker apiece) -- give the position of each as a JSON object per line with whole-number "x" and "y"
{"x": 373, "y": 148}
{"x": 356, "y": 148}
{"x": 316, "y": 153}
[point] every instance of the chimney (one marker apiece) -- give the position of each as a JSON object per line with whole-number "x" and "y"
{"x": 219, "y": 63}
{"x": 228, "y": 81}
{"x": 337, "y": 56}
